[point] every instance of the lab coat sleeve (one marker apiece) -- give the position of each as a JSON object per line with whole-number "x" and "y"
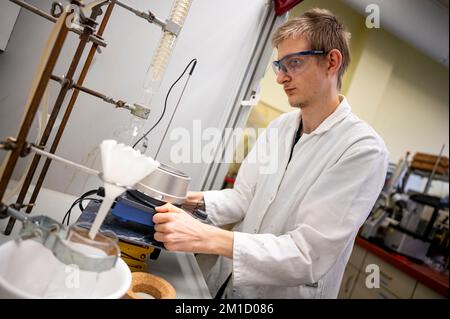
{"x": 336, "y": 206}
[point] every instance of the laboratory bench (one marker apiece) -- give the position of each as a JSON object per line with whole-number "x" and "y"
{"x": 400, "y": 277}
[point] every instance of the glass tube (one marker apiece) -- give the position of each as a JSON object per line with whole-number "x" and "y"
{"x": 155, "y": 74}
{"x": 162, "y": 54}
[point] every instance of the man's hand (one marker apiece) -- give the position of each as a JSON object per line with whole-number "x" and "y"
{"x": 179, "y": 231}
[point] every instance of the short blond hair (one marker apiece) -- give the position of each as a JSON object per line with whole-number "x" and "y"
{"x": 322, "y": 29}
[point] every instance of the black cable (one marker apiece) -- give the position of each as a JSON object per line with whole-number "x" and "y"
{"x": 69, "y": 210}
{"x": 67, "y": 214}
{"x": 99, "y": 192}
{"x": 167, "y": 97}
{"x": 89, "y": 193}
{"x": 79, "y": 200}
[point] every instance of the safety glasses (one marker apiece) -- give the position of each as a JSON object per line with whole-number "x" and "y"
{"x": 292, "y": 63}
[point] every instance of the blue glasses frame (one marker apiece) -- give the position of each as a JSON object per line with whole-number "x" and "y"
{"x": 279, "y": 66}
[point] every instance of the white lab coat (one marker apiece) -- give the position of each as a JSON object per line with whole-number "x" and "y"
{"x": 297, "y": 225}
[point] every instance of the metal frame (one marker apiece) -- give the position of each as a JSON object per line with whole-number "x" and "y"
{"x": 87, "y": 32}
{"x": 33, "y": 105}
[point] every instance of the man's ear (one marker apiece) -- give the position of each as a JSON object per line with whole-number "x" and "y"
{"x": 334, "y": 58}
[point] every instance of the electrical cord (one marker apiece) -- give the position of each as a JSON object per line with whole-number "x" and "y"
{"x": 194, "y": 62}
{"x": 69, "y": 212}
{"x": 99, "y": 192}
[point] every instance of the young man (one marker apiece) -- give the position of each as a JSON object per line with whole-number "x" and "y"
{"x": 298, "y": 224}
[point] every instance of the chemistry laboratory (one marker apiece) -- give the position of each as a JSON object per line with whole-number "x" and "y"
{"x": 211, "y": 149}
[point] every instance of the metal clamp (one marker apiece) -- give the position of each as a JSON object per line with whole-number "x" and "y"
{"x": 53, "y": 235}
{"x": 140, "y": 110}
{"x": 69, "y": 256}
{"x": 11, "y": 143}
{"x": 172, "y": 27}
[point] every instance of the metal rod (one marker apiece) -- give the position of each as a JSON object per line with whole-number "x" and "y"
{"x": 92, "y": 92}
{"x": 126, "y": 6}
{"x": 433, "y": 172}
{"x": 97, "y": 94}
{"x": 50, "y": 18}
{"x": 16, "y": 214}
{"x": 150, "y": 17}
{"x": 31, "y": 109}
{"x": 50, "y": 124}
{"x": 64, "y": 161}
{"x": 71, "y": 104}
{"x": 35, "y": 10}
{"x": 431, "y": 222}
{"x": 78, "y": 87}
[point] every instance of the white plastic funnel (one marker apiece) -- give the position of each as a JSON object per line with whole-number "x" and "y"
{"x": 123, "y": 167}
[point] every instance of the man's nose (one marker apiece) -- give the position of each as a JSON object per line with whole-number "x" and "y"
{"x": 282, "y": 77}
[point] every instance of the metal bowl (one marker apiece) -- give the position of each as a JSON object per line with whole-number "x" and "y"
{"x": 166, "y": 184}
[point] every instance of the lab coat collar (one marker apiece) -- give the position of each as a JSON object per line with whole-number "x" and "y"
{"x": 339, "y": 114}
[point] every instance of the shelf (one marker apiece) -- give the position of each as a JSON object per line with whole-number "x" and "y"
{"x": 421, "y": 173}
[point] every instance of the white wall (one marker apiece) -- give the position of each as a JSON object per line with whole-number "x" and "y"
{"x": 403, "y": 94}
